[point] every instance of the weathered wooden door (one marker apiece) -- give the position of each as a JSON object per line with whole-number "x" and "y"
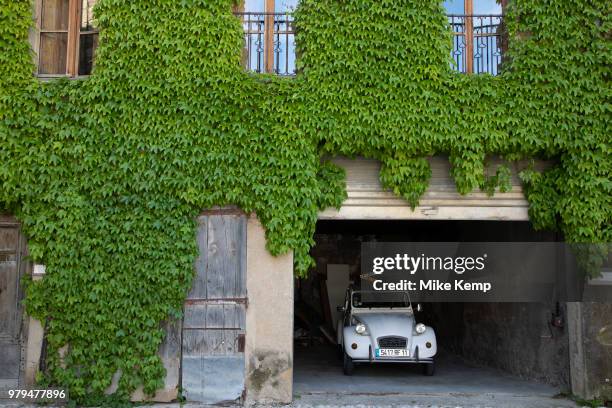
{"x": 214, "y": 322}
{"x": 12, "y": 267}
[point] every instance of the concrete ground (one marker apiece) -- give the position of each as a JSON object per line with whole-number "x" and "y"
{"x": 318, "y": 380}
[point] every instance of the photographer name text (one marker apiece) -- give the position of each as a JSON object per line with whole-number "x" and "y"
{"x": 432, "y": 285}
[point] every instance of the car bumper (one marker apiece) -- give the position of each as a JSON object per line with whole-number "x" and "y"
{"x": 362, "y": 348}
{"x": 429, "y": 360}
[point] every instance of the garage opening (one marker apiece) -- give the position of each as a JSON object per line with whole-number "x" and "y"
{"x": 516, "y": 349}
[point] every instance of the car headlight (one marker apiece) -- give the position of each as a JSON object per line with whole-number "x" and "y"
{"x": 360, "y": 328}
{"x": 420, "y": 328}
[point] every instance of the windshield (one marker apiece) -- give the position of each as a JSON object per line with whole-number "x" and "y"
{"x": 371, "y": 299}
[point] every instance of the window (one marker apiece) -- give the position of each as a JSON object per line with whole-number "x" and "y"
{"x": 269, "y": 43}
{"x": 67, "y": 38}
{"x": 479, "y": 39}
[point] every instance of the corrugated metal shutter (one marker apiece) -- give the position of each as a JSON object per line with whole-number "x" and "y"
{"x": 367, "y": 199}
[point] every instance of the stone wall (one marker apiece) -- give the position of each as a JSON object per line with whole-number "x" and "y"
{"x": 591, "y": 350}
{"x": 597, "y": 340}
{"x": 517, "y": 338}
{"x": 269, "y": 321}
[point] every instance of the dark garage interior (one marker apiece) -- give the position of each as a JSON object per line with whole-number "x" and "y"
{"x": 519, "y": 348}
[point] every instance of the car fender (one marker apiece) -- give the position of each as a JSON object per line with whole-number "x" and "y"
{"x": 421, "y": 340}
{"x": 362, "y": 343}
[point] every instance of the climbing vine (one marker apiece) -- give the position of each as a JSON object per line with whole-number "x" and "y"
{"x": 107, "y": 174}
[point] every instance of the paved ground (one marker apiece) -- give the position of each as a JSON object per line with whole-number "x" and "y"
{"x": 318, "y": 379}
{"x": 395, "y": 401}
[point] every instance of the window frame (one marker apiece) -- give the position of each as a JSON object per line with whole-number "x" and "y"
{"x": 468, "y": 33}
{"x": 268, "y": 37}
{"x": 72, "y": 43}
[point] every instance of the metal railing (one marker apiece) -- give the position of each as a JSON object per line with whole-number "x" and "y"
{"x": 478, "y": 42}
{"x": 269, "y": 43}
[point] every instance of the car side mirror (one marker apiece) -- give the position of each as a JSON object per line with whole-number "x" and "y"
{"x": 340, "y": 309}
{"x": 419, "y": 307}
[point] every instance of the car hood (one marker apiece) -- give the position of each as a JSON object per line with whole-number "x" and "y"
{"x": 387, "y": 324}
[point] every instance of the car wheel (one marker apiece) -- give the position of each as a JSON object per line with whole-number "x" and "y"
{"x": 348, "y": 365}
{"x": 429, "y": 369}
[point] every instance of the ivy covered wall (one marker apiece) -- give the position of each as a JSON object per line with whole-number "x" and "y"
{"x": 107, "y": 174}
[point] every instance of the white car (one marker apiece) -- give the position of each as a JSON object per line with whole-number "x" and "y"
{"x": 375, "y": 331}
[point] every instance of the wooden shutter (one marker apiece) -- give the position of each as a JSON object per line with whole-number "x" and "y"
{"x": 214, "y": 322}
{"x": 12, "y": 267}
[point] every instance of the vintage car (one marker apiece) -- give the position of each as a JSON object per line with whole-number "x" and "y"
{"x": 381, "y": 328}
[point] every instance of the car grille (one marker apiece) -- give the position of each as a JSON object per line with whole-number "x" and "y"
{"x": 392, "y": 342}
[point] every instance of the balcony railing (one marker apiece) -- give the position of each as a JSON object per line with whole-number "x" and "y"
{"x": 269, "y": 43}
{"x": 478, "y": 43}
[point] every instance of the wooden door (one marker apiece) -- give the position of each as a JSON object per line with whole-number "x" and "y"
{"x": 12, "y": 267}
{"x": 214, "y": 322}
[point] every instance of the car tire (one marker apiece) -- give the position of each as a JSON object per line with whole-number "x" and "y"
{"x": 429, "y": 369}
{"x": 348, "y": 366}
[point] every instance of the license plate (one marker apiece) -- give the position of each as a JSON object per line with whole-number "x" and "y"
{"x": 392, "y": 353}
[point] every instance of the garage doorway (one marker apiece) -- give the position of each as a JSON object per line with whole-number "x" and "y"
{"x": 484, "y": 349}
